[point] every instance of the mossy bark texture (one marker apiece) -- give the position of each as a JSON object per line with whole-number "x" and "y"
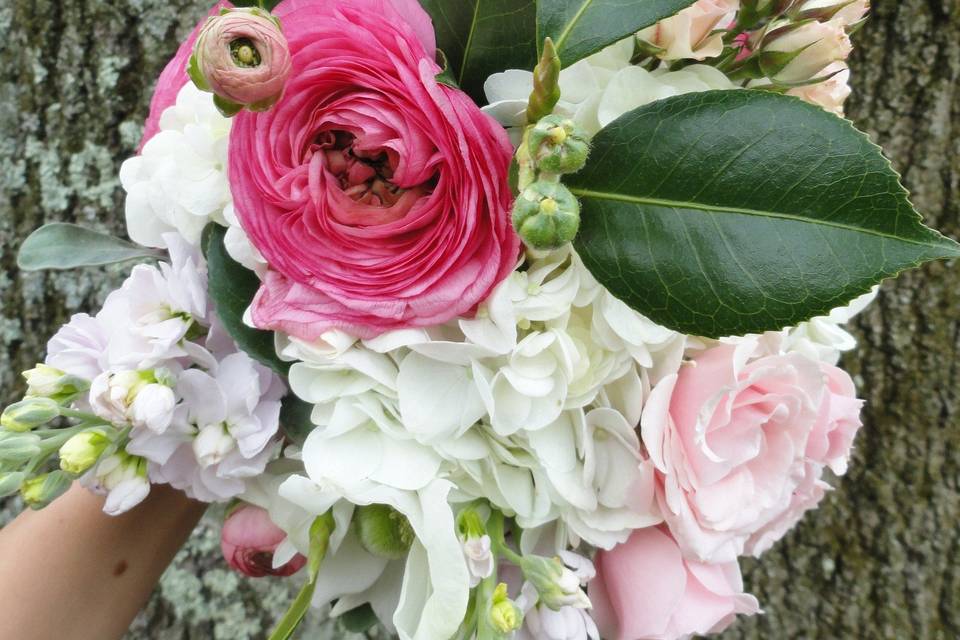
{"x": 878, "y": 561}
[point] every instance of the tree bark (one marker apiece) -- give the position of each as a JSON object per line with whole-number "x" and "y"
{"x": 876, "y": 561}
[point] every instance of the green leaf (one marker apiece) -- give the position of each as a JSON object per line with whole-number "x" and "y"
{"x": 580, "y": 28}
{"x": 232, "y": 288}
{"x": 295, "y": 419}
{"x": 482, "y": 37}
{"x": 733, "y": 212}
{"x": 359, "y": 620}
{"x": 68, "y": 246}
{"x": 446, "y": 75}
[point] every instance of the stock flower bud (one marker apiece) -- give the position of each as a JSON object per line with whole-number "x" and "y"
{"x": 797, "y": 54}
{"x": 40, "y": 491}
{"x": 384, "y": 531}
{"x": 505, "y": 616}
{"x": 212, "y": 444}
{"x": 44, "y": 381}
{"x": 123, "y": 478}
{"x": 10, "y": 482}
{"x": 28, "y": 414}
{"x": 556, "y": 585}
{"x": 558, "y": 145}
{"x": 138, "y": 398}
{"x": 18, "y": 448}
{"x": 546, "y": 215}
{"x": 242, "y": 57}
{"x": 82, "y": 451}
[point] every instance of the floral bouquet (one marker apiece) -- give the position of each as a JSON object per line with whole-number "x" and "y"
{"x": 487, "y": 318}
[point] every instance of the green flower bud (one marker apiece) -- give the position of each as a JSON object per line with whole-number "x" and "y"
{"x": 505, "y": 616}
{"x": 83, "y": 450}
{"x": 10, "y": 483}
{"x": 18, "y": 448}
{"x": 546, "y": 215}
{"x": 558, "y": 145}
{"x": 384, "y": 531}
{"x": 28, "y": 414}
{"x": 556, "y": 585}
{"x": 546, "y": 83}
{"x": 40, "y": 491}
{"x": 44, "y": 381}
{"x": 470, "y": 524}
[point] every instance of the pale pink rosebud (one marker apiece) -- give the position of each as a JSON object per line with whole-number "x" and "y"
{"x": 242, "y": 57}
{"x": 832, "y": 93}
{"x": 813, "y": 45}
{"x": 249, "y": 540}
{"x": 846, "y": 11}
{"x": 690, "y": 33}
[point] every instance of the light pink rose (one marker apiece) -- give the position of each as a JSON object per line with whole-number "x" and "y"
{"x": 173, "y": 78}
{"x": 646, "y": 590}
{"x": 832, "y": 93}
{"x": 248, "y": 541}
{"x": 817, "y": 45}
{"x": 689, "y": 34}
{"x": 378, "y": 196}
{"x": 739, "y": 440}
{"x": 243, "y": 58}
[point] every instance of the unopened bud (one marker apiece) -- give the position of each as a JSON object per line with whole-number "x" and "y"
{"x": 505, "y": 616}
{"x": 795, "y": 54}
{"x": 83, "y": 450}
{"x": 212, "y": 445}
{"x": 384, "y": 531}
{"x": 546, "y": 83}
{"x": 849, "y": 12}
{"x": 18, "y": 448}
{"x": 558, "y": 145}
{"x": 28, "y": 414}
{"x": 10, "y": 483}
{"x": 44, "y": 381}
{"x": 557, "y": 586}
{"x": 243, "y": 58}
{"x": 546, "y": 215}
{"x": 40, "y": 491}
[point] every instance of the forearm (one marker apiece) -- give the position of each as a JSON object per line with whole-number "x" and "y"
{"x": 73, "y": 573}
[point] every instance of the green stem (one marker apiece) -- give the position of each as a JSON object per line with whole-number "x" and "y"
{"x": 498, "y": 541}
{"x": 484, "y": 600}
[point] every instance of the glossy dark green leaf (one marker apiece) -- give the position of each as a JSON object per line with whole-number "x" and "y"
{"x": 583, "y": 27}
{"x": 359, "y": 620}
{"x": 482, "y": 37}
{"x": 295, "y": 419}
{"x": 732, "y": 212}
{"x": 232, "y": 288}
{"x": 68, "y": 246}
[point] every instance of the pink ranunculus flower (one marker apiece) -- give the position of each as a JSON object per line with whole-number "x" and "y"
{"x": 173, "y": 78}
{"x": 378, "y": 196}
{"x": 740, "y": 440}
{"x": 248, "y": 541}
{"x": 243, "y": 58}
{"x": 646, "y": 590}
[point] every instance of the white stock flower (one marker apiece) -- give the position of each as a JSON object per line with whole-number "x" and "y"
{"x": 571, "y": 621}
{"x": 179, "y": 182}
{"x": 223, "y": 433}
{"x": 480, "y": 562}
{"x": 79, "y": 347}
{"x": 122, "y": 478}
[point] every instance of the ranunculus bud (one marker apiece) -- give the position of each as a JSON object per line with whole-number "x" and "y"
{"x": 558, "y": 145}
{"x": 18, "y": 448}
{"x": 690, "y": 33}
{"x": 249, "y": 539}
{"x": 384, "y": 531}
{"x": 11, "y": 482}
{"x": 799, "y": 54}
{"x": 28, "y": 414}
{"x": 242, "y": 57}
{"x": 40, "y": 491}
{"x": 546, "y": 215}
{"x": 82, "y": 451}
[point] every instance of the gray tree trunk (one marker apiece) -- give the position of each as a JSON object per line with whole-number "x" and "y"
{"x": 877, "y": 561}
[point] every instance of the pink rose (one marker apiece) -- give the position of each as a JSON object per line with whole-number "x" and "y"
{"x": 832, "y": 93}
{"x": 646, "y": 590}
{"x": 173, "y": 78}
{"x": 242, "y": 57}
{"x": 378, "y": 196}
{"x": 740, "y": 440}
{"x": 817, "y": 45}
{"x": 248, "y": 541}
{"x": 690, "y": 33}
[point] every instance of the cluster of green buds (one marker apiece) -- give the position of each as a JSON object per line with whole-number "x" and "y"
{"x": 546, "y": 215}
{"x": 45, "y": 444}
{"x": 383, "y": 531}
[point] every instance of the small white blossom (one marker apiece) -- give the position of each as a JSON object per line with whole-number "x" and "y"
{"x": 480, "y": 561}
